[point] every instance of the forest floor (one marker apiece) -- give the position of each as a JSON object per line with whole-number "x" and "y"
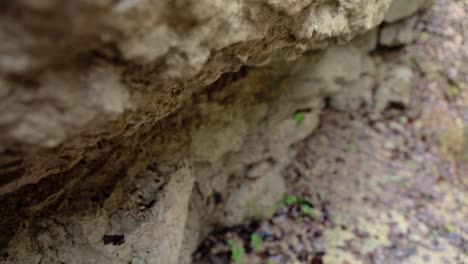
{"x": 389, "y": 188}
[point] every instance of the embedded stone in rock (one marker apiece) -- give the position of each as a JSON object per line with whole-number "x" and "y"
{"x": 399, "y": 33}
{"x": 257, "y": 199}
{"x": 325, "y": 71}
{"x": 366, "y": 42}
{"x": 394, "y": 86}
{"x": 403, "y": 8}
{"x": 357, "y": 93}
{"x": 217, "y": 137}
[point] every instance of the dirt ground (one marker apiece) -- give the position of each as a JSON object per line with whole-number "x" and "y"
{"x": 378, "y": 188}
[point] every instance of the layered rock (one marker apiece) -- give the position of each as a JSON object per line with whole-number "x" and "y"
{"x": 130, "y": 129}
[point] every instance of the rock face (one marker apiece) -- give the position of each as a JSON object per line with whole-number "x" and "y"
{"x": 398, "y": 34}
{"x": 400, "y": 22}
{"x": 130, "y": 129}
{"x": 401, "y": 9}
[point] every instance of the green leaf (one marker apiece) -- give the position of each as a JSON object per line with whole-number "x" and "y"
{"x": 237, "y": 252}
{"x": 255, "y": 242}
{"x": 306, "y": 199}
{"x": 288, "y": 200}
{"x": 448, "y": 229}
{"x": 299, "y": 118}
{"x": 306, "y": 209}
{"x": 309, "y": 211}
{"x": 454, "y": 91}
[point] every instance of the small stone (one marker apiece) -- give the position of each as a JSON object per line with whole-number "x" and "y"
{"x": 452, "y": 73}
{"x": 397, "y": 127}
{"x": 389, "y": 145}
{"x": 380, "y": 127}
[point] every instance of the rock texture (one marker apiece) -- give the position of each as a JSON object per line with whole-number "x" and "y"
{"x": 122, "y": 119}
{"x": 401, "y": 9}
{"x": 400, "y": 22}
{"x": 399, "y": 33}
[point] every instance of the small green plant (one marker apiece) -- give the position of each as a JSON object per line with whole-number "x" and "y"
{"x": 304, "y": 204}
{"x": 306, "y": 209}
{"x": 448, "y": 229}
{"x": 290, "y": 199}
{"x": 237, "y": 252}
{"x": 299, "y": 118}
{"x": 453, "y": 91}
{"x": 255, "y": 242}
{"x": 307, "y": 200}
{"x": 309, "y": 211}
{"x": 271, "y": 262}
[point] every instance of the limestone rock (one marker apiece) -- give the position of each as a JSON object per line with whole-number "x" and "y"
{"x": 346, "y": 74}
{"x": 399, "y": 33}
{"x": 402, "y": 8}
{"x": 366, "y": 42}
{"x": 220, "y": 134}
{"x": 128, "y": 127}
{"x": 324, "y": 73}
{"x": 113, "y": 66}
{"x": 357, "y": 93}
{"x": 256, "y": 200}
{"x": 394, "y": 86}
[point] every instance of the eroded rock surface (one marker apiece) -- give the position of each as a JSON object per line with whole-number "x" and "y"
{"x": 130, "y": 128}
{"x": 398, "y": 34}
